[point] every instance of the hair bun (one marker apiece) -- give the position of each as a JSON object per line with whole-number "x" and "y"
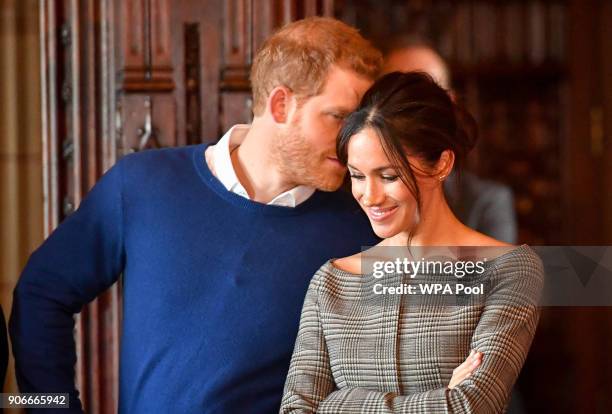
{"x": 466, "y": 135}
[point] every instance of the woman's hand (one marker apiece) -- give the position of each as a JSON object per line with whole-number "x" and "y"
{"x": 464, "y": 370}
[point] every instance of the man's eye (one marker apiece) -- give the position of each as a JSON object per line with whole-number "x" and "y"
{"x": 339, "y": 117}
{"x": 357, "y": 176}
{"x": 390, "y": 178}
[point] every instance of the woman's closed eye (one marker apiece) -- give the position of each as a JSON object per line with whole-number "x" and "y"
{"x": 389, "y": 178}
{"x": 385, "y": 177}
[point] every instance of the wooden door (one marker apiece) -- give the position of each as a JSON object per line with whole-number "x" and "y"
{"x": 127, "y": 75}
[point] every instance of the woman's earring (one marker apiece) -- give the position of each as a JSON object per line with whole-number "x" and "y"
{"x": 442, "y": 177}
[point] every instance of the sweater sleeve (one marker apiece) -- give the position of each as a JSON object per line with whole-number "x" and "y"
{"x": 80, "y": 259}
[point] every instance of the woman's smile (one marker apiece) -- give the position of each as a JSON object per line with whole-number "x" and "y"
{"x": 380, "y": 214}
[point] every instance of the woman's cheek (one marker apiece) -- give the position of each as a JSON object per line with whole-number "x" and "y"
{"x": 401, "y": 193}
{"x": 356, "y": 189}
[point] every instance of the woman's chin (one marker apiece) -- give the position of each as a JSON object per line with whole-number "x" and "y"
{"x": 384, "y": 232}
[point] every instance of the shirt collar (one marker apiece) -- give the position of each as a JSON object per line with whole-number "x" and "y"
{"x": 225, "y": 173}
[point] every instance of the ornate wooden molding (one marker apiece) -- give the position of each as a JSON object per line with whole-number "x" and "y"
{"x": 145, "y": 42}
{"x": 193, "y": 127}
{"x": 235, "y": 78}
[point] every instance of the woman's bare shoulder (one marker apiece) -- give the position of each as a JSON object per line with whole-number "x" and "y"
{"x": 351, "y": 264}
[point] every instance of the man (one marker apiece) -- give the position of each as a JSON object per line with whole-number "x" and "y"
{"x": 481, "y": 204}
{"x": 217, "y": 244}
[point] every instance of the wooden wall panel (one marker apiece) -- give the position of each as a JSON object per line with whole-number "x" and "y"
{"x": 160, "y": 66}
{"x": 49, "y": 111}
{"x": 237, "y": 33}
{"x": 237, "y": 45}
{"x": 21, "y": 200}
{"x": 606, "y": 128}
{"x": 133, "y": 37}
{"x": 192, "y": 82}
{"x": 196, "y": 39}
{"x": 269, "y": 16}
{"x": 145, "y": 58}
{"x": 148, "y": 121}
{"x": 236, "y": 109}
{"x": 161, "y": 58}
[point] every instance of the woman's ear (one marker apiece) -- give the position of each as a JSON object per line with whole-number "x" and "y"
{"x": 444, "y": 166}
{"x": 279, "y": 102}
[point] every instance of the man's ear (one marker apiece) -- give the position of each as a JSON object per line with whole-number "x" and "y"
{"x": 280, "y": 102}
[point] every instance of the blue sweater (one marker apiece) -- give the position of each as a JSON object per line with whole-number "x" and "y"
{"x": 213, "y": 285}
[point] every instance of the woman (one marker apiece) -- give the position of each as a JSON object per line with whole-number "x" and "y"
{"x": 358, "y": 354}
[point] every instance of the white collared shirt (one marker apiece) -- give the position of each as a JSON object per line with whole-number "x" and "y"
{"x": 224, "y": 170}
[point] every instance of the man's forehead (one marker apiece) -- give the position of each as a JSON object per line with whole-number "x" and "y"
{"x": 345, "y": 85}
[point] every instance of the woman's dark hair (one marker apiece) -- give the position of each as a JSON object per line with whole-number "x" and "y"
{"x": 413, "y": 115}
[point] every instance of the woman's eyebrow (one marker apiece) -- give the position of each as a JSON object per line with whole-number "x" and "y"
{"x": 379, "y": 169}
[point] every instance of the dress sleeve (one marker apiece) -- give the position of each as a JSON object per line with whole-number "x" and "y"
{"x": 310, "y": 378}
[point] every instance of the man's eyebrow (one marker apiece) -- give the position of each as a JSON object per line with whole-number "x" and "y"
{"x": 379, "y": 169}
{"x": 340, "y": 110}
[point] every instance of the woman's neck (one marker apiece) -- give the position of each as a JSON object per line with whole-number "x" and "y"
{"x": 437, "y": 226}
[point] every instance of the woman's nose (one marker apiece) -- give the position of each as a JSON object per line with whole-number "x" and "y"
{"x": 372, "y": 195}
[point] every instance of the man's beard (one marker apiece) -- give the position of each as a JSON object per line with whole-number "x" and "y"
{"x": 303, "y": 163}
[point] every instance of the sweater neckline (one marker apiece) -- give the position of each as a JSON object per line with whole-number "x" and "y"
{"x": 239, "y": 201}
{"x": 489, "y": 264}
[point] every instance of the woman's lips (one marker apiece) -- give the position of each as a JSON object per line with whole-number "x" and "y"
{"x": 379, "y": 214}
